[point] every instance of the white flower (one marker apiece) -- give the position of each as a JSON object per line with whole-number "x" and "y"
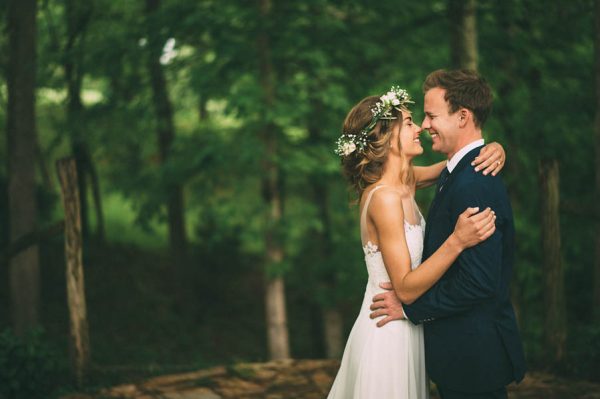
{"x": 348, "y": 143}
{"x": 348, "y": 148}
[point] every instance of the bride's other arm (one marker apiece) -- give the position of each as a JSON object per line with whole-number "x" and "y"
{"x": 471, "y": 228}
{"x": 428, "y": 175}
{"x": 491, "y": 159}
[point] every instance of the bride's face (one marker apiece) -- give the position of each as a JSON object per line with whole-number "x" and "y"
{"x": 406, "y": 135}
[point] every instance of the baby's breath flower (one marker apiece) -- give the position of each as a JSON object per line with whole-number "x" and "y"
{"x": 396, "y": 98}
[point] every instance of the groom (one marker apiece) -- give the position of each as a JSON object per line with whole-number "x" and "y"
{"x": 472, "y": 344}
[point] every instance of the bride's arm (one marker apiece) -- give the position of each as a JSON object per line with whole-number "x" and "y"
{"x": 428, "y": 175}
{"x": 491, "y": 159}
{"x": 471, "y": 228}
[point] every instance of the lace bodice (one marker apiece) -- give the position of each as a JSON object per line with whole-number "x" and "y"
{"x": 414, "y": 234}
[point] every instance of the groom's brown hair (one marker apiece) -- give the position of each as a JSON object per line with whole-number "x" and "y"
{"x": 464, "y": 89}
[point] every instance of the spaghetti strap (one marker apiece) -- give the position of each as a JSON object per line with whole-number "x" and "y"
{"x": 363, "y": 215}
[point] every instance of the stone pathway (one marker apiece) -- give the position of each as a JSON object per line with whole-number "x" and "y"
{"x": 300, "y": 379}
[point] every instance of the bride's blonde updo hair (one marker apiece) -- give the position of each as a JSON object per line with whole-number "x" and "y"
{"x": 363, "y": 168}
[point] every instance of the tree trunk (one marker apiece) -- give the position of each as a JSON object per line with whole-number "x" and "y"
{"x": 24, "y": 268}
{"x": 462, "y": 15}
{"x": 29, "y": 240}
{"x": 332, "y": 318}
{"x": 596, "y": 300}
{"x": 555, "y": 323}
{"x": 78, "y": 15}
{"x": 334, "y": 333}
{"x": 503, "y": 112}
{"x": 277, "y": 330}
{"x": 166, "y": 134}
{"x": 75, "y": 119}
{"x": 79, "y": 342}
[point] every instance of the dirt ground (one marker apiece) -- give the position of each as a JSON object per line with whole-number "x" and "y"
{"x": 300, "y": 379}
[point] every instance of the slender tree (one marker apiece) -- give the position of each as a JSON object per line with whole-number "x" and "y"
{"x": 165, "y": 129}
{"x": 332, "y": 320}
{"x": 78, "y": 15}
{"x": 79, "y": 332}
{"x": 462, "y": 15}
{"x": 275, "y": 304}
{"x": 24, "y": 267}
{"x": 506, "y": 85}
{"x": 555, "y": 323}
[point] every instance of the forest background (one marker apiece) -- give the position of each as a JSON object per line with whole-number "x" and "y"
{"x": 216, "y": 224}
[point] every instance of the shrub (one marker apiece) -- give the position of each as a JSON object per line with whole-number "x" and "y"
{"x": 29, "y": 366}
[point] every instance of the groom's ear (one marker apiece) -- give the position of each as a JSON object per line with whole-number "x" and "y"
{"x": 464, "y": 115}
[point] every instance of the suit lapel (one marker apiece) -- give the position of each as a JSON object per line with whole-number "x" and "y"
{"x": 441, "y": 195}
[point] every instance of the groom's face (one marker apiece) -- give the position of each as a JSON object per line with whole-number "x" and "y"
{"x": 442, "y": 126}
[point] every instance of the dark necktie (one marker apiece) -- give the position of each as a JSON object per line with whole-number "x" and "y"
{"x": 442, "y": 179}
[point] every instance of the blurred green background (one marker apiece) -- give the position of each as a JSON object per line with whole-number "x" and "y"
{"x": 206, "y": 131}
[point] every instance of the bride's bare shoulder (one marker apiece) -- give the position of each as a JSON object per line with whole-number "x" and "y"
{"x": 389, "y": 200}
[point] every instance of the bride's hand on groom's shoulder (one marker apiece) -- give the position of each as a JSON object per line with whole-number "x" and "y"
{"x": 491, "y": 159}
{"x": 386, "y": 304}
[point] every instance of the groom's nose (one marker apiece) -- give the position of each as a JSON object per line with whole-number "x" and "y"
{"x": 426, "y": 123}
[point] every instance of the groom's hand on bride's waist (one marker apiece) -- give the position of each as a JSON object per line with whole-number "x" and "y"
{"x": 386, "y": 304}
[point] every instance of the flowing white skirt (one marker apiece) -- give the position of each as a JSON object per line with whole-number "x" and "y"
{"x": 382, "y": 363}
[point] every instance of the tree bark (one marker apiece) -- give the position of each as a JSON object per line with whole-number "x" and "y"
{"x": 166, "y": 134}
{"x": 462, "y": 15}
{"x": 24, "y": 268}
{"x": 596, "y": 297}
{"x": 79, "y": 342}
{"x": 555, "y": 323}
{"x": 277, "y": 329}
{"x": 78, "y": 15}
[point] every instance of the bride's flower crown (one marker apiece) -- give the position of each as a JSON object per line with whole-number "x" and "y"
{"x": 396, "y": 98}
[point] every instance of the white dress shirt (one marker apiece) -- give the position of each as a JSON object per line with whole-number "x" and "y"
{"x": 452, "y": 162}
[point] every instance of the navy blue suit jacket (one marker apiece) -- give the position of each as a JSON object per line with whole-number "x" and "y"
{"x": 472, "y": 342}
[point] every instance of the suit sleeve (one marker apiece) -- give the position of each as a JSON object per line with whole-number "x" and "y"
{"x": 479, "y": 268}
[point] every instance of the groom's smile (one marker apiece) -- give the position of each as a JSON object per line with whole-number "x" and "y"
{"x": 439, "y": 123}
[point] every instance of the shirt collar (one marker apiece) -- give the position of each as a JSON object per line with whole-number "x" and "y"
{"x": 452, "y": 162}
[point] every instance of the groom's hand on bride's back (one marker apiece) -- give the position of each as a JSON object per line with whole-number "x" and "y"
{"x": 386, "y": 304}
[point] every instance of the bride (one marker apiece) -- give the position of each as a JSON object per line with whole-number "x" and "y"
{"x": 378, "y": 144}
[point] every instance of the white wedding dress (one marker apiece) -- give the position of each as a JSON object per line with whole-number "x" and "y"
{"x": 386, "y": 362}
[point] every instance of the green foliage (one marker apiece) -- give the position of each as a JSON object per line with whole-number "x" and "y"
{"x": 326, "y": 56}
{"x": 29, "y": 366}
